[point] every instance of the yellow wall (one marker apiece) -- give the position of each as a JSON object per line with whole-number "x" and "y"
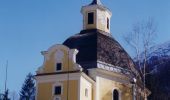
{"x": 90, "y": 26}
{"x": 103, "y": 87}
{"x": 85, "y": 84}
{"x": 50, "y": 64}
{"x": 73, "y": 90}
{"x": 45, "y": 88}
{"x": 100, "y": 18}
{"x": 99, "y": 22}
{"x": 45, "y": 91}
{"x": 106, "y": 87}
{"x": 102, "y": 25}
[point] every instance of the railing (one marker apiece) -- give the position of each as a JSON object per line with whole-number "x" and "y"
{"x": 113, "y": 68}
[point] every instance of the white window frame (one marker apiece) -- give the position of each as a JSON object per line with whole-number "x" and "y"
{"x": 55, "y": 85}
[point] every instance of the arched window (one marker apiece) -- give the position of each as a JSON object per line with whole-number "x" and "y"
{"x": 115, "y": 95}
{"x": 86, "y": 92}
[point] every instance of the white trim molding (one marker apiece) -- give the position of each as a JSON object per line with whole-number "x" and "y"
{"x": 58, "y": 77}
{"x": 59, "y": 55}
{"x": 53, "y": 90}
{"x": 112, "y": 68}
{"x": 57, "y": 84}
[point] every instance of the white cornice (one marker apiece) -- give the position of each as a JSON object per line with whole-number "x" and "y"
{"x": 94, "y": 7}
{"x": 87, "y": 78}
{"x": 112, "y": 68}
{"x": 120, "y": 78}
{"x": 57, "y": 77}
{"x": 71, "y": 53}
{"x": 63, "y": 77}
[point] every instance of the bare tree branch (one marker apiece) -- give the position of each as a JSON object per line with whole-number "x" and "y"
{"x": 141, "y": 38}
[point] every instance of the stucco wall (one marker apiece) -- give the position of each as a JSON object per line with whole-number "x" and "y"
{"x": 106, "y": 87}
{"x": 46, "y": 90}
{"x": 51, "y": 59}
{"x": 85, "y": 84}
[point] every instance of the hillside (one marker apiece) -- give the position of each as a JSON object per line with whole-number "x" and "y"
{"x": 159, "y": 80}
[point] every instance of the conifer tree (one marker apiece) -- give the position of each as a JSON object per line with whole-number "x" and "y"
{"x": 6, "y": 95}
{"x": 28, "y": 89}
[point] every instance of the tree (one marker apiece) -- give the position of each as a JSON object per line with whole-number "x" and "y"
{"x": 5, "y": 95}
{"x": 141, "y": 39}
{"x": 28, "y": 89}
{"x": 14, "y": 95}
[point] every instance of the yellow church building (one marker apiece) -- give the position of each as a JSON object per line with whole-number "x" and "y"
{"x": 90, "y": 65}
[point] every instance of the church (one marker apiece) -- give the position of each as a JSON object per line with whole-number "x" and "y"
{"x": 90, "y": 65}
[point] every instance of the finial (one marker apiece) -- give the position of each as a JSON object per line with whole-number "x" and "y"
{"x": 96, "y": 2}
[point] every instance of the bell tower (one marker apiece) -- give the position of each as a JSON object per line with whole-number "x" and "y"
{"x": 96, "y": 16}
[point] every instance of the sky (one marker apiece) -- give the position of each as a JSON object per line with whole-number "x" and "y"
{"x": 28, "y": 27}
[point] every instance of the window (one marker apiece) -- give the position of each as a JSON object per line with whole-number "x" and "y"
{"x": 91, "y": 18}
{"x": 86, "y": 92}
{"x": 108, "y": 23}
{"x": 115, "y": 95}
{"x": 57, "y": 90}
{"x": 58, "y": 66}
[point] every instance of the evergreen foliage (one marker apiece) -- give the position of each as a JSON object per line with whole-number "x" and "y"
{"x": 159, "y": 81}
{"x": 5, "y": 95}
{"x": 28, "y": 89}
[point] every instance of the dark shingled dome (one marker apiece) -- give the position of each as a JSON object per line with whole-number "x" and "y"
{"x": 94, "y": 46}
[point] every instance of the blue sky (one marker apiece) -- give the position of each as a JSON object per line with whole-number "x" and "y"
{"x": 28, "y": 27}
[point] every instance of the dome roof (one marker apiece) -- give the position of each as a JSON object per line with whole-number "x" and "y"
{"x": 94, "y": 46}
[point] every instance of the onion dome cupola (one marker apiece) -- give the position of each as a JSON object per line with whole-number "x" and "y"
{"x": 96, "y": 16}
